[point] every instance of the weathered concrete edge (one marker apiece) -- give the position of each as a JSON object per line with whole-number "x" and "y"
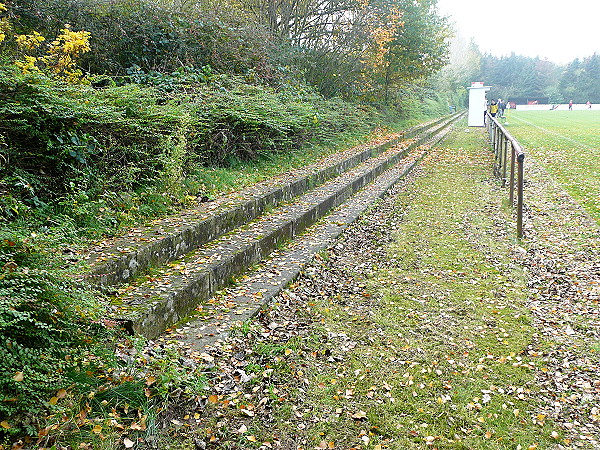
{"x": 150, "y": 320}
{"x": 162, "y": 314}
{"x": 127, "y": 266}
{"x": 289, "y": 264}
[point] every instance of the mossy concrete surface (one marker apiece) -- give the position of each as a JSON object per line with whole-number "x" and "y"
{"x": 155, "y": 302}
{"x": 118, "y": 261}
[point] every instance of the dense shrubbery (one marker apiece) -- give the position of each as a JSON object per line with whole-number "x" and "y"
{"x": 45, "y": 324}
{"x": 70, "y": 140}
{"x": 127, "y": 33}
{"x": 174, "y": 89}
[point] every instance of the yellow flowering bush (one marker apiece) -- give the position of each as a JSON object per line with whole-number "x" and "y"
{"x": 64, "y": 51}
{"x": 4, "y": 24}
{"x": 30, "y": 41}
{"x": 59, "y": 59}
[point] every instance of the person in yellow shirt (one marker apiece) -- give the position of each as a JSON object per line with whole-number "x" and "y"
{"x": 493, "y": 108}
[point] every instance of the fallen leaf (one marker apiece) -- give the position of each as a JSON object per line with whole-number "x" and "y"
{"x": 18, "y": 376}
{"x": 4, "y": 424}
{"x": 359, "y": 415}
{"x": 11, "y": 266}
{"x": 128, "y": 443}
{"x": 247, "y": 412}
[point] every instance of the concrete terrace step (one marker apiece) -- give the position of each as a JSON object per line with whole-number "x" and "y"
{"x": 155, "y": 302}
{"x": 117, "y": 261}
{"x": 216, "y": 318}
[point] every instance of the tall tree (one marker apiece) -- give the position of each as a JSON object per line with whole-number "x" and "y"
{"x": 421, "y": 46}
{"x": 588, "y": 87}
{"x": 358, "y": 46}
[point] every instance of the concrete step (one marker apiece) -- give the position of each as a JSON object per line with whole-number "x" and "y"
{"x": 169, "y": 294}
{"x": 216, "y": 319}
{"x": 119, "y": 260}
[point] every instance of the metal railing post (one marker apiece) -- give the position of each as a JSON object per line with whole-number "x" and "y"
{"x": 499, "y": 153}
{"x": 504, "y": 161}
{"x": 500, "y": 139}
{"x": 520, "y": 183}
{"x": 511, "y": 195}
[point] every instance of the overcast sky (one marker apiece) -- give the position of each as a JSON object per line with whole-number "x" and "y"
{"x": 528, "y": 27}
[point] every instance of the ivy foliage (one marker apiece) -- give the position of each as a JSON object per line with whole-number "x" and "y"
{"x": 45, "y": 324}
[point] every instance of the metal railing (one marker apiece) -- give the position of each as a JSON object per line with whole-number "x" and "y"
{"x": 501, "y": 140}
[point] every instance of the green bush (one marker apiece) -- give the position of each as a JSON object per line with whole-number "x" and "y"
{"x": 45, "y": 325}
{"x": 79, "y": 142}
{"x": 57, "y": 136}
{"x": 144, "y": 34}
{"x": 248, "y": 122}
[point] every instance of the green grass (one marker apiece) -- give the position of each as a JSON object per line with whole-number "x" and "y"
{"x": 567, "y": 145}
{"x": 436, "y": 349}
{"x": 455, "y": 327}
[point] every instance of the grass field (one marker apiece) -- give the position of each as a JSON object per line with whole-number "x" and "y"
{"x": 567, "y": 144}
{"x": 430, "y": 348}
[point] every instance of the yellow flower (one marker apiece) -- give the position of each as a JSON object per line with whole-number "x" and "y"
{"x": 30, "y": 41}
{"x": 27, "y": 66}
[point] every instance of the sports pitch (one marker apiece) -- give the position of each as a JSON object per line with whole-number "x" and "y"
{"x": 567, "y": 145}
